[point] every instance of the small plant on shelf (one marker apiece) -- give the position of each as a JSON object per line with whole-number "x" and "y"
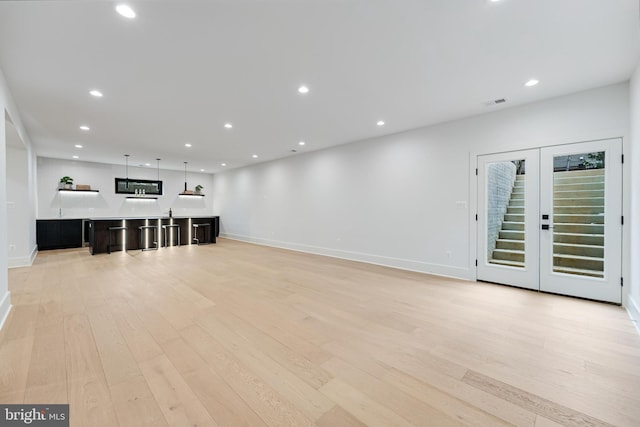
{"x": 66, "y": 182}
{"x": 198, "y": 188}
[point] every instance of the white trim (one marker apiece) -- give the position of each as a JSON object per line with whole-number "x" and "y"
{"x": 403, "y": 264}
{"x": 26, "y": 261}
{"x": 633, "y": 310}
{"x": 5, "y": 308}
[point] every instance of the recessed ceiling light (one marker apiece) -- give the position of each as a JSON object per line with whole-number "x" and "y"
{"x": 96, "y": 93}
{"x": 380, "y": 123}
{"x": 126, "y": 11}
{"x": 531, "y": 82}
{"x": 187, "y": 145}
{"x": 76, "y": 157}
{"x": 84, "y": 127}
{"x": 303, "y": 89}
{"x": 301, "y": 143}
{"x": 78, "y": 146}
{"x": 255, "y": 156}
{"x": 494, "y": 1}
{"x": 201, "y": 170}
{"x": 228, "y": 125}
{"x": 223, "y": 164}
{"x": 147, "y": 164}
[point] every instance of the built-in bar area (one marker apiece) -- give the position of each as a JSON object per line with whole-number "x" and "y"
{"x": 108, "y": 235}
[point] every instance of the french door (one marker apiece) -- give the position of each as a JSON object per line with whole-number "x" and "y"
{"x": 550, "y": 219}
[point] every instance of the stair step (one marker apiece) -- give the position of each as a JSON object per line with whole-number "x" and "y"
{"x": 571, "y": 186}
{"x": 508, "y": 255}
{"x": 578, "y": 249}
{"x": 583, "y": 172}
{"x": 578, "y": 238}
{"x": 578, "y": 201}
{"x": 507, "y": 263}
{"x": 516, "y": 210}
{"x": 509, "y": 225}
{"x": 593, "y": 210}
{"x": 577, "y": 194}
{"x": 578, "y": 271}
{"x": 511, "y": 235}
{"x": 563, "y": 179}
{"x": 577, "y": 261}
{"x": 517, "y": 245}
{"x": 578, "y": 219}
{"x": 514, "y": 217}
{"x": 579, "y": 228}
{"x": 516, "y": 203}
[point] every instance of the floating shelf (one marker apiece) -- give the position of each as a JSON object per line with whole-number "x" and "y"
{"x": 142, "y": 197}
{"x": 80, "y": 191}
{"x": 191, "y": 194}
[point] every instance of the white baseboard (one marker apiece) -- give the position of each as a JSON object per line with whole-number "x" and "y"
{"x": 26, "y": 261}
{"x": 5, "y": 308}
{"x": 403, "y": 264}
{"x": 633, "y": 309}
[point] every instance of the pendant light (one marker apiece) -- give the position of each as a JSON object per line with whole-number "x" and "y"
{"x": 126, "y": 158}
{"x": 158, "y": 160}
{"x": 185, "y": 177}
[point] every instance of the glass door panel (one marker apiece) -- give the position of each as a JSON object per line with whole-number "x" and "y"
{"x": 507, "y": 215}
{"x": 581, "y": 231}
{"x": 578, "y": 214}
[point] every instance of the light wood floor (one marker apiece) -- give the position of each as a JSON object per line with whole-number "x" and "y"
{"x": 236, "y": 334}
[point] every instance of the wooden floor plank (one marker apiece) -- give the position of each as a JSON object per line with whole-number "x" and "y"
{"x": 360, "y": 406}
{"x": 274, "y": 409}
{"x": 47, "y": 370}
{"x": 225, "y": 406}
{"x": 15, "y": 356}
{"x": 546, "y": 408}
{"x": 135, "y": 405}
{"x": 178, "y": 402}
{"x": 117, "y": 361}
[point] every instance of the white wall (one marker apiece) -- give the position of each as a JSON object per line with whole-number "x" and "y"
{"x": 7, "y": 106}
{"x": 406, "y": 200}
{"x": 55, "y": 204}
{"x": 20, "y": 208}
{"x": 633, "y": 296}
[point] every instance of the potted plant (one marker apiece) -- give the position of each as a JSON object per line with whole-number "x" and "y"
{"x": 66, "y": 182}
{"x": 198, "y": 188}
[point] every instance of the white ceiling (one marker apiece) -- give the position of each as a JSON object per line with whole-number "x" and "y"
{"x": 183, "y": 68}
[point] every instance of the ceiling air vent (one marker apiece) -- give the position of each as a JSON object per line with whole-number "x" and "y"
{"x": 495, "y": 102}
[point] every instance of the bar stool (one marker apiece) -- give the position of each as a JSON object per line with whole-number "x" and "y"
{"x": 196, "y": 227}
{"x": 111, "y": 230}
{"x": 166, "y": 228}
{"x": 142, "y": 229}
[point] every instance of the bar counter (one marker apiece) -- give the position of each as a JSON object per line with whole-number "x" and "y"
{"x": 149, "y": 233}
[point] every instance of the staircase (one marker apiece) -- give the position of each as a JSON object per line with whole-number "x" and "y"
{"x": 578, "y": 233}
{"x": 510, "y": 244}
{"x": 578, "y": 221}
